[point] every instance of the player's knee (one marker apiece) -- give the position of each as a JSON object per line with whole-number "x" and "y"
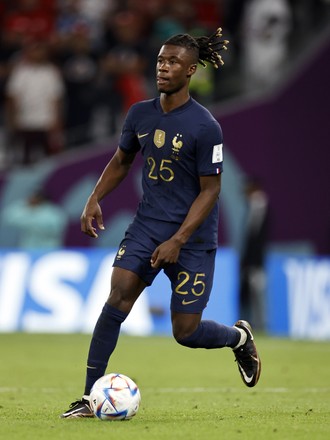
{"x": 184, "y": 326}
{"x": 126, "y": 287}
{"x": 183, "y": 334}
{"x": 120, "y": 300}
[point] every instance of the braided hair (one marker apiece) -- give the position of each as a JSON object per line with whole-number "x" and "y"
{"x": 206, "y": 48}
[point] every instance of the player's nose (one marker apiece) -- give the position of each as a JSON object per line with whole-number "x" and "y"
{"x": 163, "y": 66}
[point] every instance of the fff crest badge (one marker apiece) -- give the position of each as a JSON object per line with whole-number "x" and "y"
{"x": 177, "y": 145}
{"x": 159, "y": 138}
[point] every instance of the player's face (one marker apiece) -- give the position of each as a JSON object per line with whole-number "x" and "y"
{"x": 174, "y": 69}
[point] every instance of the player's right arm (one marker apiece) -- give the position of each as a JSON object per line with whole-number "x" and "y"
{"x": 115, "y": 171}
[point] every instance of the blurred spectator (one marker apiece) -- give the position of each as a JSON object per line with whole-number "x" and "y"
{"x": 20, "y": 21}
{"x": 209, "y": 13}
{"x": 150, "y": 10}
{"x": 309, "y": 17}
{"x": 9, "y": 47}
{"x": 124, "y": 64}
{"x": 70, "y": 20}
{"x": 40, "y": 223}
{"x": 266, "y": 29}
{"x": 252, "y": 291}
{"x": 202, "y": 86}
{"x": 106, "y": 49}
{"x": 95, "y": 11}
{"x": 176, "y": 18}
{"x": 34, "y": 103}
{"x": 80, "y": 73}
{"x": 30, "y": 19}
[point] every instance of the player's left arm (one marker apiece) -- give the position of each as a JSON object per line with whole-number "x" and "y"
{"x": 168, "y": 252}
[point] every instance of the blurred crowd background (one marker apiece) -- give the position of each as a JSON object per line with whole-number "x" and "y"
{"x": 70, "y": 69}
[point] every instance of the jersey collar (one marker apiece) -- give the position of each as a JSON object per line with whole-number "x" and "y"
{"x": 179, "y": 109}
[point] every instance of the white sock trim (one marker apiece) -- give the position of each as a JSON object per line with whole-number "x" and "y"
{"x": 242, "y": 339}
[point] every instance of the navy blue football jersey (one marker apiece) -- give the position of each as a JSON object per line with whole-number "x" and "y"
{"x": 178, "y": 147}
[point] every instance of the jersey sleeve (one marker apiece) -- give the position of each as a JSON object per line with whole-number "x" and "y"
{"x": 128, "y": 140}
{"x": 209, "y": 152}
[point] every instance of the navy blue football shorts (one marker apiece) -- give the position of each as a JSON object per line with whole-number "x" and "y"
{"x": 191, "y": 277}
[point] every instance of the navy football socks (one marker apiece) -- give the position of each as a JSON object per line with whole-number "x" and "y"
{"x": 103, "y": 343}
{"x": 210, "y": 334}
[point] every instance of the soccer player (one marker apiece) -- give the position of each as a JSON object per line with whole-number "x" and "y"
{"x": 176, "y": 224}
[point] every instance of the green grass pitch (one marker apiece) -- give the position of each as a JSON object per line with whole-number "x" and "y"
{"x": 186, "y": 394}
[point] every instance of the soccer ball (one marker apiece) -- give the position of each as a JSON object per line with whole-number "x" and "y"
{"x": 115, "y": 397}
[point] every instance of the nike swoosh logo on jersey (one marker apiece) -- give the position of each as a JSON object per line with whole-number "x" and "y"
{"x": 184, "y": 302}
{"x": 142, "y": 135}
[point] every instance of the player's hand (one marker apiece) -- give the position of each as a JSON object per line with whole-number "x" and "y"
{"x": 91, "y": 212}
{"x": 166, "y": 253}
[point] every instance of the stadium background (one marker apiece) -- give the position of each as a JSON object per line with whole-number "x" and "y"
{"x": 279, "y": 132}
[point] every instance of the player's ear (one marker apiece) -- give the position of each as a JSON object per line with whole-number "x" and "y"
{"x": 191, "y": 70}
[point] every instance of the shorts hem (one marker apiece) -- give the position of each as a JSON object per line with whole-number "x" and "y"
{"x": 136, "y": 272}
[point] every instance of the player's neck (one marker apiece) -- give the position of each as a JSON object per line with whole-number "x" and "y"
{"x": 172, "y": 101}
